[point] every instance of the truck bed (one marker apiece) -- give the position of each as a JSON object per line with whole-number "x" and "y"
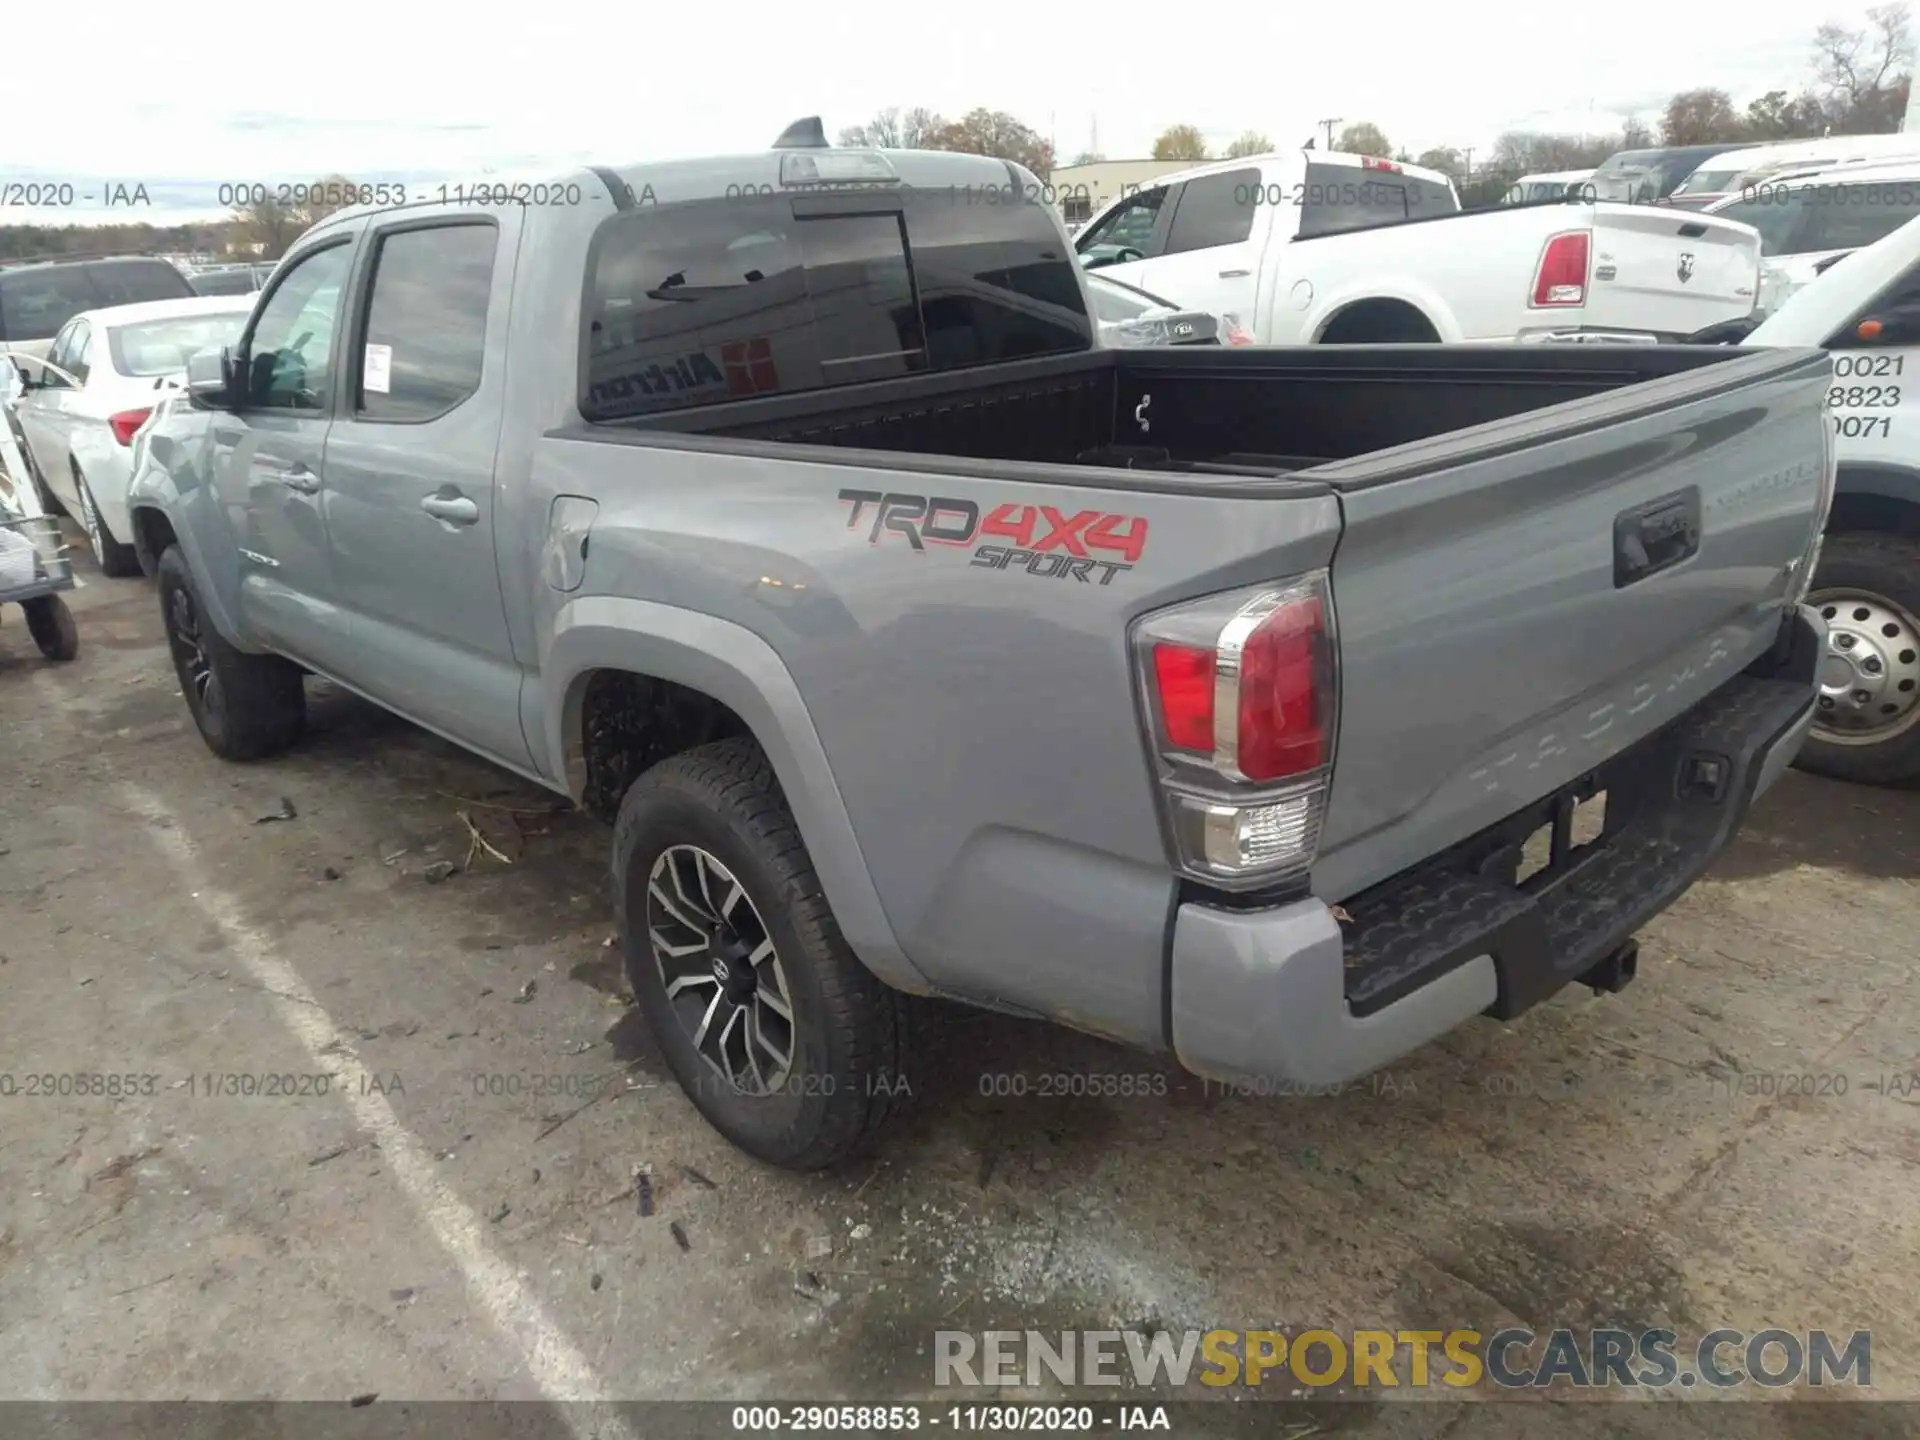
{"x": 1235, "y": 415}
{"x": 1485, "y": 497}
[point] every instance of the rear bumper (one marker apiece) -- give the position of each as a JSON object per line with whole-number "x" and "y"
{"x": 1291, "y": 995}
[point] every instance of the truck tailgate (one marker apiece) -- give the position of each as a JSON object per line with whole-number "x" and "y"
{"x": 1519, "y": 602}
{"x": 1669, "y": 271}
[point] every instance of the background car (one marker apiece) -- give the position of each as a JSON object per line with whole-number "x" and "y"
{"x": 224, "y": 280}
{"x": 1808, "y": 220}
{"x": 1552, "y": 185}
{"x": 1648, "y": 177}
{"x": 1129, "y": 316}
{"x": 36, "y": 299}
{"x": 98, "y": 386}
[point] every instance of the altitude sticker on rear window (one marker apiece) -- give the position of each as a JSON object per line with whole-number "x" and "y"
{"x": 1044, "y": 541}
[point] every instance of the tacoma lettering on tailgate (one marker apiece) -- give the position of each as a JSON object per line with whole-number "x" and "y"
{"x": 1040, "y": 540}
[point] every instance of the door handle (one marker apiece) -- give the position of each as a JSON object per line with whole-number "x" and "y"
{"x": 454, "y": 509}
{"x": 1235, "y": 274}
{"x": 300, "y": 478}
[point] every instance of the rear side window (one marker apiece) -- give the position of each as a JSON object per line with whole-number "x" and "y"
{"x": 725, "y": 299}
{"x": 34, "y": 304}
{"x": 1214, "y": 210}
{"x": 1337, "y": 198}
{"x": 132, "y": 282}
{"x": 426, "y": 321}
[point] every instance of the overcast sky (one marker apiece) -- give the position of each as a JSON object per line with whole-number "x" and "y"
{"x": 395, "y": 90}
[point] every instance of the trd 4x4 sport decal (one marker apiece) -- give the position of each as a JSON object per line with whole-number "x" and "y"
{"x": 1041, "y": 540}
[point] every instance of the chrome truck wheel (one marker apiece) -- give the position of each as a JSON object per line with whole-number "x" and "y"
{"x": 1867, "y": 719}
{"x": 1870, "y": 675}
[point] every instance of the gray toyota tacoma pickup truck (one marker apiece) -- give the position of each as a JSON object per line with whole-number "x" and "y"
{"x": 782, "y": 510}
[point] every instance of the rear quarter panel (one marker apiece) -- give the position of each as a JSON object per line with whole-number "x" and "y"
{"x": 979, "y": 724}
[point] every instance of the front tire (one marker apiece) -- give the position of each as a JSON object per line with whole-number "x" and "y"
{"x": 116, "y": 561}
{"x": 724, "y": 928}
{"x": 246, "y": 707}
{"x": 1867, "y": 727}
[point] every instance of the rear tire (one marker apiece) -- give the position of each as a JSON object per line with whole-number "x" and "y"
{"x": 1868, "y": 587}
{"x": 52, "y": 626}
{"x": 116, "y": 561}
{"x": 689, "y": 830}
{"x": 246, "y": 707}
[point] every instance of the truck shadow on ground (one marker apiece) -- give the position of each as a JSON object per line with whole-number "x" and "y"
{"x": 1871, "y": 831}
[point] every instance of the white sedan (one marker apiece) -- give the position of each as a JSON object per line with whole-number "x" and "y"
{"x": 102, "y": 377}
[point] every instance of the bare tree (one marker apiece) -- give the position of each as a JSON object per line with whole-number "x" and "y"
{"x": 1252, "y": 142}
{"x": 273, "y": 226}
{"x": 894, "y": 129}
{"x": 1180, "y": 142}
{"x": 995, "y": 133}
{"x": 1864, "y": 75}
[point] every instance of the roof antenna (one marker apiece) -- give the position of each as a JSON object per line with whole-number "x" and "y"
{"x": 806, "y": 133}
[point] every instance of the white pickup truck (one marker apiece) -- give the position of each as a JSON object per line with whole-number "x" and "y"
{"x": 1319, "y": 247}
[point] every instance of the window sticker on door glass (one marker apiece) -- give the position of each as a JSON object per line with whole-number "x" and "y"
{"x": 377, "y": 372}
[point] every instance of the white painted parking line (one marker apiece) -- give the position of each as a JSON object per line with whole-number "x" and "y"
{"x": 562, "y": 1373}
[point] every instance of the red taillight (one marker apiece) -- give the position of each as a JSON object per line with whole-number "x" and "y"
{"x": 1183, "y": 675}
{"x": 1562, "y": 276}
{"x": 1242, "y": 698}
{"x": 1283, "y": 704}
{"x": 126, "y": 422}
{"x": 1367, "y": 162}
{"x": 1269, "y": 662}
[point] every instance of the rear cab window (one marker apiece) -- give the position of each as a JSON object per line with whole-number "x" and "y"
{"x": 161, "y": 347}
{"x": 726, "y": 299}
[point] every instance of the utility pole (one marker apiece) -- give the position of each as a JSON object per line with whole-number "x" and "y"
{"x": 1469, "y": 154}
{"x": 1328, "y": 125}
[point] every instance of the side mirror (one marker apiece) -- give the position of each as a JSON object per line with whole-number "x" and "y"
{"x": 209, "y": 379}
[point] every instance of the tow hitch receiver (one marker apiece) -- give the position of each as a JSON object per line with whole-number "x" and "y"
{"x": 1616, "y": 972}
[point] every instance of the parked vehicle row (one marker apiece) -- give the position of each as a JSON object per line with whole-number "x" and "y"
{"x": 78, "y": 408}
{"x": 1551, "y": 185}
{"x": 1737, "y": 173}
{"x": 1328, "y": 248}
{"x": 649, "y": 505}
{"x": 1808, "y": 219}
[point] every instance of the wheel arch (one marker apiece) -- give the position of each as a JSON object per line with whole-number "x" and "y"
{"x": 1878, "y": 496}
{"x": 697, "y": 678}
{"x": 1390, "y": 309}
